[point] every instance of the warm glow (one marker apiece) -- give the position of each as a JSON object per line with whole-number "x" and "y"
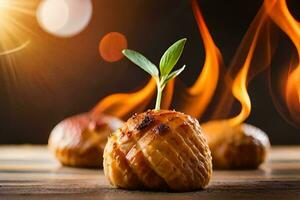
{"x": 4, "y": 4}
{"x": 64, "y": 18}
{"x": 283, "y": 18}
{"x": 123, "y": 105}
{"x": 200, "y": 94}
{"x": 111, "y": 46}
{"x": 12, "y": 37}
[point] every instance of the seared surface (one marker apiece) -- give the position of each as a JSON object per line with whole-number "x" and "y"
{"x": 79, "y": 140}
{"x": 31, "y": 172}
{"x": 239, "y": 147}
{"x": 159, "y": 150}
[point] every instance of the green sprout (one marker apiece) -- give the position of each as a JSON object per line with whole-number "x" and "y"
{"x": 167, "y": 63}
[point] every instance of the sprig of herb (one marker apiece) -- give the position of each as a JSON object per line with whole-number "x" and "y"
{"x": 167, "y": 63}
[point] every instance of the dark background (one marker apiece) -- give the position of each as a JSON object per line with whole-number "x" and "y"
{"x": 57, "y": 77}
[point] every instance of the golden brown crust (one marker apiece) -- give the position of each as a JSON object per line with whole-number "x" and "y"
{"x": 158, "y": 150}
{"x": 79, "y": 140}
{"x": 240, "y": 147}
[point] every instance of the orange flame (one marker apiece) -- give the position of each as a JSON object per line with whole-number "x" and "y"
{"x": 168, "y": 95}
{"x": 239, "y": 90}
{"x": 123, "y": 105}
{"x": 280, "y": 14}
{"x": 200, "y": 94}
{"x": 292, "y": 94}
{"x": 239, "y": 87}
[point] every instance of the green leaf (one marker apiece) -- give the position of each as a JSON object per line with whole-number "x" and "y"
{"x": 173, "y": 75}
{"x": 167, "y": 63}
{"x": 141, "y": 61}
{"x": 171, "y": 56}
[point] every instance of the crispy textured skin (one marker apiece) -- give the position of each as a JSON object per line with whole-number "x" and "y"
{"x": 79, "y": 140}
{"x": 158, "y": 150}
{"x": 240, "y": 147}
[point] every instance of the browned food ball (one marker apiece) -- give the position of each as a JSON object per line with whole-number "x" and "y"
{"x": 239, "y": 147}
{"x": 158, "y": 150}
{"x": 79, "y": 140}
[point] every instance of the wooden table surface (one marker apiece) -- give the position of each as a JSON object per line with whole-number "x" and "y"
{"x": 31, "y": 172}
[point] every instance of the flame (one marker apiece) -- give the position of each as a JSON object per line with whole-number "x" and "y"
{"x": 168, "y": 95}
{"x": 199, "y": 95}
{"x": 280, "y": 14}
{"x": 123, "y": 105}
{"x": 239, "y": 87}
{"x": 239, "y": 90}
{"x": 256, "y": 43}
{"x": 292, "y": 94}
{"x": 258, "y": 30}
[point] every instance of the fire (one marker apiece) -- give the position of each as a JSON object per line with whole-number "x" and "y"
{"x": 280, "y": 14}
{"x": 123, "y": 105}
{"x": 239, "y": 90}
{"x": 199, "y": 95}
{"x": 239, "y": 86}
{"x": 253, "y": 56}
{"x": 168, "y": 95}
{"x": 293, "y": 94}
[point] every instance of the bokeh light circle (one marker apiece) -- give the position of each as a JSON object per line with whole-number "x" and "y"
{"x": 111, "y": 46}
{"x": 64, "y": 18}
{"x": 53, "y": 21}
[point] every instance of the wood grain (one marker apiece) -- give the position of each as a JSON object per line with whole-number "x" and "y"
{"x": 31, "y": 172}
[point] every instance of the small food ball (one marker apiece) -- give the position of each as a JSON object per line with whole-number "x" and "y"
{"x": 79, "y": 141}
{"x": 236, "y": 147}
{"x": 158, "y": 150}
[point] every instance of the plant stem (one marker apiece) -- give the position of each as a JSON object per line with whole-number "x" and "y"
{"x": 158, "y": 98}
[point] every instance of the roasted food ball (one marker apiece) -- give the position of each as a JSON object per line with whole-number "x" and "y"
{"x": 158, "y": 150}
{"x": 239, "y": 147}
{"x": 79, "y": 140}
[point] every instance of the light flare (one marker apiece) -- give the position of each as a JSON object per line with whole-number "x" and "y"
{"x": 4, "y": 4}
{"x": 14, "y": 50}
{"x": 13, "y": 37}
